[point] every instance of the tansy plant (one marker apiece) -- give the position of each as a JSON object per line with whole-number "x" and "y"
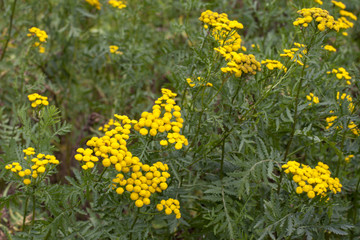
{"x": 30, "y": 169}
{"x": 131, "y": 175}
{"x": 258, "y": 137}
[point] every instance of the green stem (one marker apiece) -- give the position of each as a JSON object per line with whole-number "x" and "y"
{"x": 34, "y": 204}
{"x": 102, "y": 173}
{"x": 25, "y": 210}
{"x": 295, "y": 114}
{"x": 204, "y": 107}
{"x": 222, "y": 159}
{"x": 133, "y": 224}
{"x": 10, "y": 29}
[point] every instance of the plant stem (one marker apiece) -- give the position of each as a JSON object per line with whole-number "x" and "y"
{"x": 295, "y": 114}
{"x": 102, "y": 173}
{"x": 133, "y": 224}
{"x": 25, "y": 210}
{"x": 34, "y": 204}
{"x": 10, "y": 29}
{"x": 222, "y": 159}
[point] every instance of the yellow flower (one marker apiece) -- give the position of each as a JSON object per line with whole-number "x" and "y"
{"x": 312, "y": 98}
{"x": 27, "y": 181}
{"x": 339, "y": 4}
{"x": 37, "y": 100}
{"x": 41, "y": 35}
{"x": 114, "y": 49}
{"x": 329, "y": 48}
{"x": 272, "y": 64}
{"x": 94, "y": 3}
{"x": 348, "y": 14}
{"x": 348, "y": 158}
{"x": 117, "y": 4}
{"x": 313, "y": 181}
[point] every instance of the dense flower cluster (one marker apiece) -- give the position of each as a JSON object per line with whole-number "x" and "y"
{"x": 313, "y": 181}
{"x": 41, "y": 35}
{"x": 144, "y": 180}
{"x": 40, "y": 164}
{"x": 240, "y": 63}
{"x": 114, "y": 49}
{"x": 170, "y": 206}
{"x": 199, "y": 81}
{"x": 117, "y": 4}
{"x": 223, "y": 30}
{"x": 139, "y": 179}
{"x": 94, "y": 3}
{"x": 348, "y": 158}
{"x": 225, "y": 33}
{"x": 341, "y": 73}
{"x": 165, "y": 117}
{"x": 272, "y": 64}
{"x": 329, "y": 48}
{"x": 322, "y": 18}
{"x": 299, "y": 50}
{"x": 111, "y": 147}
{"x": 312, "y": 98}
{"x": 37, "y": 100}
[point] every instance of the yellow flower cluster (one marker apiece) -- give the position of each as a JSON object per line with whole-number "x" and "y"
{"x": 37, "y": 100}
{"x": 29, "y": 151}
{"x": 313, "y": 181}
{"x": 225, "y": 33}
{"x": 114, "y": 49}
{"x": 272, "y": 64}
{"x": 94, "y": 3}
{"x": 330, "y": 120}
{"x": 111, "y": 147}
{"x": 339, "y": 4}
{"x": 348, "y": 14}
{"x": 144, "y": 180}
{"x": 219, "y": 21}
{"x": 160, "y": 120}
{"x": 40, "y": 163}
{"x": 298, "y": 50}
{"x": 329, "y": 48}
{"x": 348, "y": 158}
{"x": 201, "y": 82}
{"x": 312, "y": 98}
{"x": 117, "y": 4}
{"x": 322, "y": 18}
{"x": 319, "y": 2}
{"x": 240, "y": 63}
{"x": 223, "y": 29}
{"x": 170, "y": 206}
{"x": 41, "y": 35}
{"x": 341, "y": 73}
